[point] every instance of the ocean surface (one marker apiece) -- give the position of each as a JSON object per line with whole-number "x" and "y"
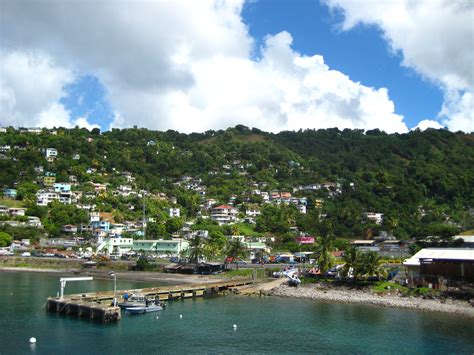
{"x": 264, "y": 325}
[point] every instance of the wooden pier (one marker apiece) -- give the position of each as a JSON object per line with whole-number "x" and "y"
{"x": 99, "y": 305}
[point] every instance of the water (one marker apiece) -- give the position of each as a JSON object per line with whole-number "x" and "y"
{"x": 264, "y": 325}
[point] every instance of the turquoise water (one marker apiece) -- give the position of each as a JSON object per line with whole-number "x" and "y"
{"x": 264, "y": 325}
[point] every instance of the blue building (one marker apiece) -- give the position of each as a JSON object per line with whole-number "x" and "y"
{"x": 10, "y": 193}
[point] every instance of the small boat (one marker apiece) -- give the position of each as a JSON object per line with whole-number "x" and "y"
{"x": 293, "y": 280}
{"x": 144, "y": 309}
{"x": 139, "y": 300}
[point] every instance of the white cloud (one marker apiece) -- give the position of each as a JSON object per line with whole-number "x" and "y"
{"x": 187, "y": 65}
{"x": 425, "y": 124}
{"x": 435, "y": 38}
{"x": 31, "y": 86}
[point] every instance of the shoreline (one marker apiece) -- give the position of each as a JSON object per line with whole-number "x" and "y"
{"x": 351, "y": 296}
{"x": 134, "y": 276}
{"x": 279, "y": 288}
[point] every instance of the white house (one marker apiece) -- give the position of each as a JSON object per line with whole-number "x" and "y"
{"x": 174, "y": 212}
{"x": 51, "y": 153}
{"x": 224, "y": 214}
{"x": 377, "y": 218}
{"x": 14, "y": 211}
{"x": 252, "y": 212}
{"x": 44, "y": 197}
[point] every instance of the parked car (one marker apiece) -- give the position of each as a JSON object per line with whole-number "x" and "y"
{"x": 26, "y": 253}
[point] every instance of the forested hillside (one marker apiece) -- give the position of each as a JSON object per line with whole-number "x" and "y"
{"x": 422, "y": 182}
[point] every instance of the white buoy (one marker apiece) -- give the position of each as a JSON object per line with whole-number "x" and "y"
{"x": 235, "y": 326}
{"x": 32, "y": 340}
{"x": 157, "y": 317}
{"x": 180, "y": 316}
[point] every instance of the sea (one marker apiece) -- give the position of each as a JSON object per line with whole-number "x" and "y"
{"x": 267, "y": 325}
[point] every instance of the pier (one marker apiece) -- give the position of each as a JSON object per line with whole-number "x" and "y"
{"x": 99, "y": 305}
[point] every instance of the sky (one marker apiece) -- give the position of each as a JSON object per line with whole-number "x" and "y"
{"x": 275, "y": 65}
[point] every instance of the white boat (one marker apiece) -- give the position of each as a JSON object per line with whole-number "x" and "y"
{"x": 140, "y": 300}
{"x": 144, "y": 309}
{"x": 292, "y": 275}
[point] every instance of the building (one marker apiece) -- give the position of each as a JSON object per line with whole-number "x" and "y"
{"x": 51, "y": 153}
{"x": 61, "y": 187}
{"x": 161, "y": 246}
{"x": 440, "y": 267}
{"x": 174, "y": 212}
{"x": 224, "y": 214}
{"x": 301, "y": 209}
{"x": 365, "y": 245}
{"x": 374, "y": 217}
{"x": 15, "y": 211}
{"x": 69, "y": 228}
{"x": 252, "y": 212}
{"x": 49, "y": 179}
{"x": 10, "y": 193}
{"x": 115, "y": 245}
{"x": 45, "y": 197}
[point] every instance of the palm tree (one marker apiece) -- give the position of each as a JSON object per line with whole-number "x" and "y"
{"x": 372, "y": 267}
{"x": 234, "y": 230}
{"x": 353, "y": 263}
{"x": 196, "y": 249}
{"x": 236, "y": 249}
{"x": 325, "y": 258}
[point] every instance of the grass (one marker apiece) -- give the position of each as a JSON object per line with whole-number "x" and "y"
{"x": 238, "y": 273}
{"x": 11, "y": 203}
{"x": 383, "y": 286}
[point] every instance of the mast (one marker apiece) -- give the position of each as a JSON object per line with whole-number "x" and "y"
{"x": 144, "y": 216}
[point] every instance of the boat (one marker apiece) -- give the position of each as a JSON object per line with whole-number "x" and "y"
{"x": 293, "y": 280}
{"x": 139, "y": 300}
{"x": 144, "y": 309}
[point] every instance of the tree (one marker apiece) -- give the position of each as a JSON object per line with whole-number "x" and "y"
{"x": 196, "y": 249}
{"x": 5, "y": 239}
{"x": 173, "y": 225}
{"x": 371, "y": 265}
{"x": 236, "y": 249}
{"x": 325, "y": 259}
{"x": 353, "y": 263}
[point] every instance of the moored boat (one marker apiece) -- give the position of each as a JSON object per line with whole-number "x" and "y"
{"x": 144, "y": 309}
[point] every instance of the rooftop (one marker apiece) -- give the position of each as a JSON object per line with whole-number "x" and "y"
{"x": 441, "y": 254}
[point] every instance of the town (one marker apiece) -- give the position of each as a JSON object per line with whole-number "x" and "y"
{"x": 77, "y": 206}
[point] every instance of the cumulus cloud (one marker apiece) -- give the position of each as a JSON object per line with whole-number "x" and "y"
{"x": 186, "y": 65}
{"x": 425, "y": 124}
{"x": 31, "y": 86}
{"x": 435, "y": 38}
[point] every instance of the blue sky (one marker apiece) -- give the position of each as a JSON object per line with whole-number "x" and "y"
{"x": 361, "y": 53}
{"x": 272, "y": 64}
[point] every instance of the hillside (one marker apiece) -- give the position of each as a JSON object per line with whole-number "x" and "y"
{"x": 421, "y": 182}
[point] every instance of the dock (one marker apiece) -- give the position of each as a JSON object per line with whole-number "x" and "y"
{"x": 99, "y": 305}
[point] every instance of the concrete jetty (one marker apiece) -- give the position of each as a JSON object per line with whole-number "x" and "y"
{"x": 99, "y": 305}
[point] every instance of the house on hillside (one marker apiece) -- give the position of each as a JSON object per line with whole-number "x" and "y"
{"x": 45, "y": 197}
{"x": 50, "y": 153}
{"x": 16, "y": 211}
{"x": 224, "y": 214}
{"x": 10, "y": 193}
{"x": 373, "y": 217}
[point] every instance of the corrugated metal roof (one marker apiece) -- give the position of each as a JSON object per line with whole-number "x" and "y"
{"x": 440, "y": 253}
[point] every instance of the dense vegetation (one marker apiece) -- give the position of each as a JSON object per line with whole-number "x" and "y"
{"x": 421, "y": 181}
